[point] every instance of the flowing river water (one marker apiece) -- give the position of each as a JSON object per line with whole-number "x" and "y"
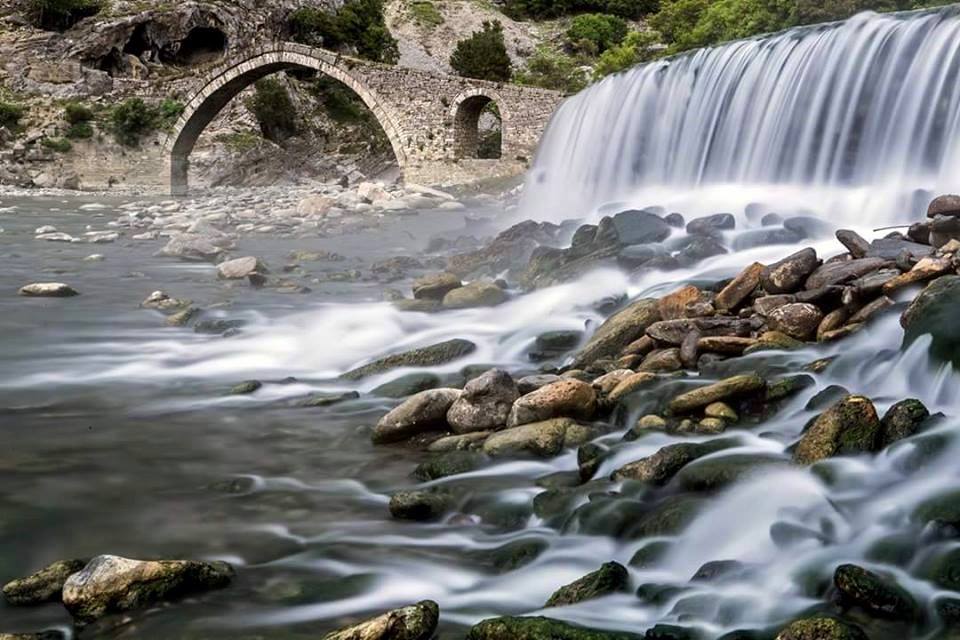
{"x": 119, "y": 435}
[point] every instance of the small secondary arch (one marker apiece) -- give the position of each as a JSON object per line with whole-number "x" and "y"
{"x": 227, "y": 82}
{"x": 465, "y": 112}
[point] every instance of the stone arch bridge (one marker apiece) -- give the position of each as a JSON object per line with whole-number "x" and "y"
{"x": 430, "y": 119}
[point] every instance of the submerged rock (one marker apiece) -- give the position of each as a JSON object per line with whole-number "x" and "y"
{"x": 611, "y": 577}
{"x": 431, "y": 356}
{"x": 485, "y": 403}
{"x": 407, "y": 385}
{"x": 567, "y": 398}
{"x": 420, "y": 413}
{"x": 111, "y": 584}
{"x": 850, "y": 426}
{"x": 542, "y": 439}
{"x": 43, "y": 586}
{"x": 48, "y": 290}
{"x": 540, "y": 628}
{"x": 416, "y": 622}
{"x": 451, "y": 463}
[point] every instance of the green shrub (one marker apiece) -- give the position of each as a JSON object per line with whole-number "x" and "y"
{"x": 600, "y": 30}
{"x": 79, "y": 131}
{"x": 132, "y": 120}
{"x": 357, "y": 23}
{"x": 274, "y": 110}
{"x": 630, "y": 9}
{"x": 425, "y": 13}
{"x": 169, "y": 110}
{"x": 552, "y": 70}
{"x": 483, "y": 55}
{"x": 59, "y": 15}
{"x": 10, "y": 115}
{"x": 76, "y": 112}
{"x": 637, "y": 47}
{"x": 60, "y": 145}
{"x": 689, "y": 24}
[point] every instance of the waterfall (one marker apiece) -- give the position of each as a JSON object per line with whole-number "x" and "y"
{"x": 848, "y": 119}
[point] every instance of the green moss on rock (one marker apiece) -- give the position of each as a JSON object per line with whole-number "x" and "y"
{"x": 541, "y": 628}
{"x": 611, "y": 577}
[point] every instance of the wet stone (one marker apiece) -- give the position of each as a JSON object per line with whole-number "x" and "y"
{"x": 851, "y": 426}
{"x": 419, "y": 505}
{"x": 431, "y": 356}
{"x": 902, "y": 420}
{"x": 415, "y": 622}
{"x": 43, "y": 586}
{"x": 879, "y": 595}
{"x": 612, "y": 577}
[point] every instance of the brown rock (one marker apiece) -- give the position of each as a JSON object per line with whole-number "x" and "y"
{"x": 925, "y": 269}
{"x": 609, "y": 381}
{"x": 854, "y": 242}
{"x": 641, "y": 346}
{"x": 618, "y": 331}
{"x": 739, "y": 288}
{"x": 421, "y": 412}
{"x": 763, "y": 306}
{"x": 798, "y": 320}
{"x": 948, "y": 205}
{"x": 568, "y": 398}
{"x": 416, "y": 622}
{"x": 867, "y": 312}
{"x": 689, "y": 350}
{"x": 662, "y": 360}
{"x": 842, "y": 332}
{"x": 475, "y": 294}
{"x": 674, "y": 331}
{"x": 840, "y": 272}
{"x": 659, "y": 468}
{"x": 629, "y": 385}
{"x": 726, "y": 345}
{"x": 850, "y": 426}
{"x": 673, "y": 305}
{"x": 543, "y": 439}
{"x": 831, "y": 322}
{"x": 736, "y": 386}
{"x": 485, "y": 403}
{"x": 788, "y": 275}
{"x": 435, "y": 286}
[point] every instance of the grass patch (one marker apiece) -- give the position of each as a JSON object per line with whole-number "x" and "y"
{"x": 59, "y": 145}
{"x": 426, "y": 14}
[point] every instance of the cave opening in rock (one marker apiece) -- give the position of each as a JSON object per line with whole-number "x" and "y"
{"x": 202, "y": 44}
{"x": 139, "y": 42}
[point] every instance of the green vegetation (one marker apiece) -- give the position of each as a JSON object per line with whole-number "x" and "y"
{"x": 483, "y": 55}
{"x": 241, "y": 142}
{"x": 552, "y": 70}
{"x": 169, "y": 110}
{"x": 274, "y": 110}
{"x": 358, "y": 24}
{"x": 630, "y": 9}
{"x": 60, "y": 145}
{"x": 10, "y": 115}
{"x": 79, "y": 131}
{"x": 637, "y": 47}
{"x": 133, "y": 119}
{"x": 596, "y": 32}
{"x": 76, "y": 113}
{"x": 425, "y": 13}
{"x": 59, "y": 15}
{"x": 490, "y": 139}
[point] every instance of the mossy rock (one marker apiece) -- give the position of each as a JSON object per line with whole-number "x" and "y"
{"x": 788, "y": 387}
{"x": 902, "y": 420}
{"x": 879, "y": 595}
{"x": 850, "y": 426}
{"x": 516, "y": 554}
{"x": 943, "y": 508}
{"x": 943, "y": 569}
{"x": 720, "y": 472}
{"x": 935, "y": 312}
{"x": 650, "y": 554}
{"x": 822, "y": 628}
{"x": 611, "y": 577}
{"x": 431, "y": 356}
{"x": 448, "y": 464}
{"x": 43, "y": 586}
{"x": 419, "y": 505}
{"x": 672, "y": 632}
{"x": 658, "y": 594}
{"x": 540, "y": 628}
{"x": 670, "y": 517}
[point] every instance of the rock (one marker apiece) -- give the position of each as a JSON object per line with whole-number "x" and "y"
{"x": 420, "y": 413}
{"x": 894, "y": 248}
{"x": 637, "y": 255}
{"x": 674, "y": 331}
{"x": 770, "y": 235}
{"x": 43, "y": 635}
{"x": 821, "y": 629}
{"x": 419, "y": 505}
{"x": 609, "y": 381}
{"x": 485, "y": 403}
{"x": 854, "y": 242}
{"x": 183, "y": 318}
{"x": 673, "y": 306}
{"x": 935, "y": 312}
{"x": 870, "y": 310}
{"x": 371, "y": 192}
{"x": 850, "y": 426}
{"x": 808, "y": 226}
{"x": 611, "y": 577}
{"x": 57, "y": 237}
{"x": 798, "y": 320}
{"x": 48, "y": 290}
{"x": 925, "y": 269}
{"x": 431, "y": 356}
{"x": 315, "y": 206}
{"x": 726, "y": 345}
{"x": 540, "y": 628}
{"x": 720, "y": 410}
{"x": 111, "y": 584}
{"x": 878, "y": 595}
{"x": 739, "y": 288}
{"x": 700, "y": 248}
{"x": 315, "y": 400}
{"x": 407, "y": 385}
{"x": 948, "y": 205}
{"x": 529, "y": 384}
{"x": 789, "y": 274}
{"x": 659, "y": 468}
{"x": 554, "y": 344}
{"x": 839, "y": 272}
{"x": 639, "y": 227}
{"x": 943, "y": 229}
{"x": 567, "y": 398}
{"x": 43, "y": 586}
{"x": 416, "y": 622}
{"x": 475, "y": 294}
{"x": 902, "y": 420}
{"x": 663, "y": 361}
{"x": 240, "y": 268}
{"x": 542, "y": 439}
{"x": 629, "y": 385}
{"x": 163, "y": 302}
{"x": 871, "y": 285}
{"x": 711, "y": 225}
{"x": 719, "y": 472}
{"x": 246, "y": 388}
{"x": 417, "y": 306}
{"x": 435, "y": 286}
{"x": 193, "y": 247}
{"x": 735, "y": 387}
{"x": 618, "y": 331}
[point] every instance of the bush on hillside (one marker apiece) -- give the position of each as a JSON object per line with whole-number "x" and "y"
{"x": 76, "y": 112}
{"x": 483, "y": 55}
{"x": 630, "y": 9}
{"x": 689, "y": 24}
{"x": 637, "y": 47}
{"x": 357, "y": 23}
{"x": 274, "y": 110}
{"x": 59, "y": 145}
{"x": 132, "y": 120}
{"x": 599, "y": 31}
{"x": 10, "y": 115}
{"x": 552, "y": 70}
{"x": 79, "y": 131}
{"x": 60, "y": 15}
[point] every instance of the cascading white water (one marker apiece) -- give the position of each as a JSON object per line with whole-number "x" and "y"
{"x": 848, "y": 119}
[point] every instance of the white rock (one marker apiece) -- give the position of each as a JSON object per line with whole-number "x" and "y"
{"x": 56, "y": 237}
{"x": 45, "y": 229}
{"x": 48, "y": 290}
{"x": 314, "y": 206}
{"x": 451, "y": 206}
{"x": 94, "y": 257}
{"x": 239, "y": 268}
{"x": 428, "y": 191}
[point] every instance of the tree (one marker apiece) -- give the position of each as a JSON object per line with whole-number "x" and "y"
{"x": 637, "y": 47}
{"x": 601, "y": 31}
{"x": 357, "y": 23}
{"x": 274, "y": 110}
{"x": 483, "y": 55}
{"x": 552, "y": 70}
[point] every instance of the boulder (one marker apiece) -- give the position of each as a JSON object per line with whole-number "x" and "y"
{"x": 43, "y": 586}
{"x": 822, "y": 628}
{"x": 789, "y": 274}
{"x": 111, "y": 584}
{"x": 420, "y": 413}
{"x": 850, "y": 426}
{"x": 240, "y": 268}
{"x": 798, "y": 320}
{"x": 541, "y": 439}
{"x": 839, "y": 272}
{"x": 48, "y": 290}
{"x": 415, "y": 622}
{"x": 475, "y": 294}
{"x": 611, "y": 577}
{"x": 419, "y": 505}
{"x": 739, "y": 288}
{"x": 618, "y": 331}
{"x": 935, "y": 312}
{"x": 902, "y": 420}
{"x": 639, "y": 227}
{"x": 435, "y": 286}
{"x": 711, "y": 225}
{"x": 540, "y": 628}
{"x": 673, "y": 306}
{"x": 485, "y": 403}
{"x": 431, "y": 356}
{"x": 879, "y": 595}
{"x": 948, "y": 205}
{"x": 315, "y": 206}
{"x": 187, "y": 246}
{"x": 734, "y": 387}
{"x": 854, "y": 242}
{"x": 568, "y": 398}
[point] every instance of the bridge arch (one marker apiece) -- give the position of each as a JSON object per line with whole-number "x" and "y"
{"x": 465, "y": 115}
{"x": 226, "y": 82}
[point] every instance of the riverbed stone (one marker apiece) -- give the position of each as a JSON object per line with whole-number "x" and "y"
{"x": 541, "y": 628}
{"x": 946, "y": 205}
{"x": 798, "y": 320}
{"x": 821, "y": 628}
{"x": 194, "y": 247}
{"x": 732, "y": 295}
{"x": 618, "y": 331}
{"x": 611, "y": 577}
{"x": 528, "y": 384}
{"x": 541, "y": 439}
{"x": 475, "y": 294}
{"x": 485, "y": 403}
{"x": 112, "y": 584}
{"x": 902, "y": 420}
{"x": 733, "y": 387}
{"x": 419, "y": 505}
{"x": 629, "y": 385}
{"x": 712, "y": 224}
{"x": 659, "y": 468}
{"x": 415, "y": 622}
{"x": 673, "y": 305}
{"x": 568, "y": 398}
{"x": 432, "y": 356}
{"x": 161, "y": 301}
{"x": 407, "y": 385}
{"x": 435, "y": 286}
{"x": 833, "y": 273}
{"x": 854, "y": 242}
{"x": 662, "y": 361}
{"x": 420, "y": 413}
{"x": 935, "y": 311}
{"x": 925, "y": 269}
{"x": 240, "y": 268}
{"x": 789, "y": 274}
{"x": 850, "y": 426}
{"x": 48, "y": 290}
{"x": 43, "y": 586}
{"x": 879, "y": 595}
